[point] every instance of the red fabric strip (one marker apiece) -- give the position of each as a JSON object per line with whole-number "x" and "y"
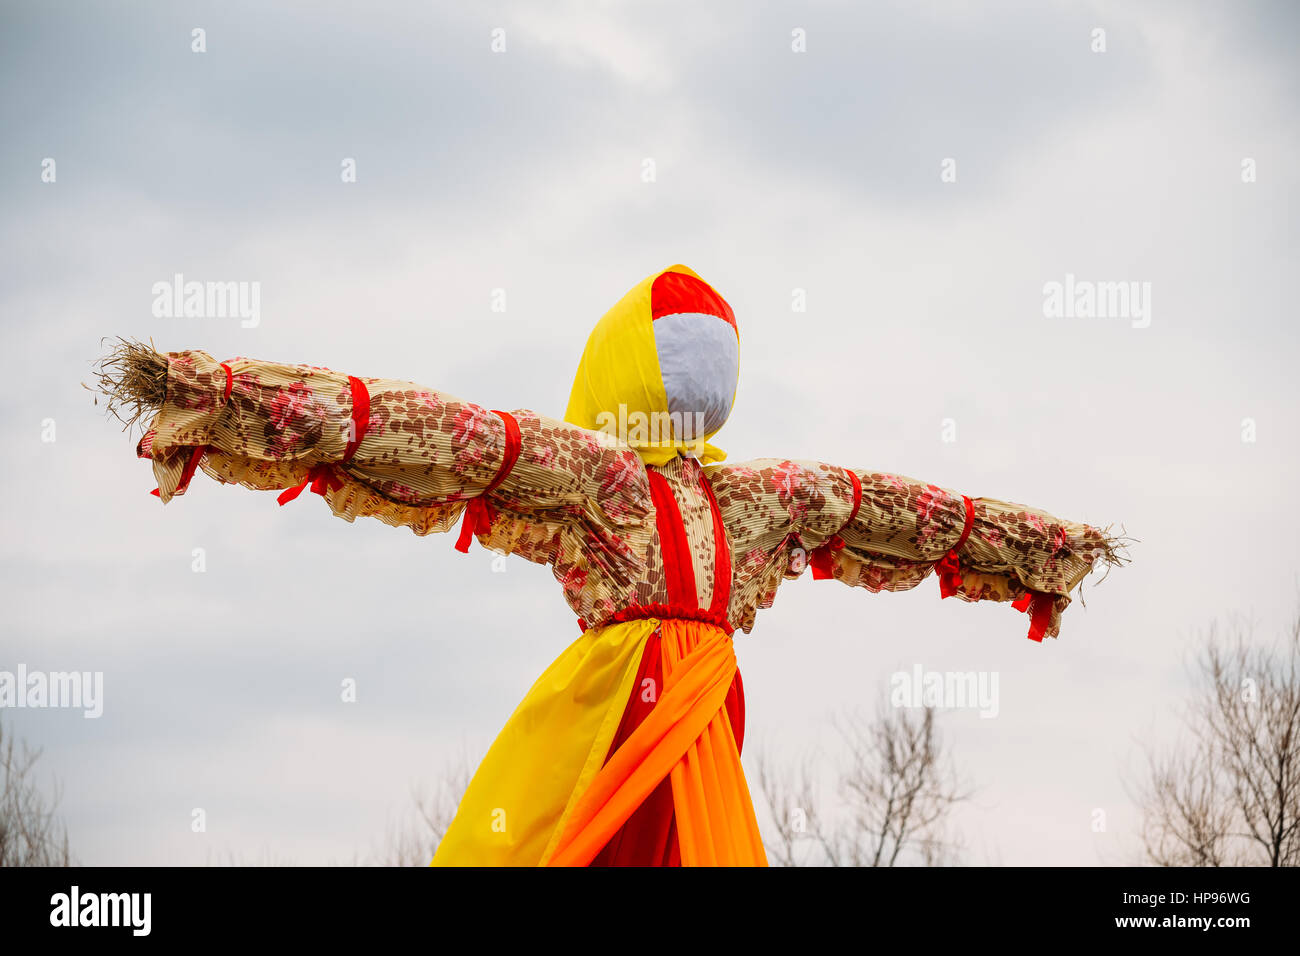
{"x": 721, "y": 554}
{"x": 479, "y": 513}
{"x": 637, "y": 612}
{"x": 822, "y": 559}
{"x": 321, "y": 478}
{"x": 679, "y": 573}
{"x": 1038, "y": 605}
{"x": 649, "y": 837}
{"x": 1040, "y": 616}
{"x": 190, "y": 466}
{"x": 360, "y": 417}
{"x": 736, "y": 711}
{"x": 947, "y": 567}
{"x": 230, "y": 382}
{"x": 187, "y": 473}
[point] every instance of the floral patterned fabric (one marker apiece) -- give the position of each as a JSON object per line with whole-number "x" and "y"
{"x": 777, "y": 512}
{"x": 579, "y": 501}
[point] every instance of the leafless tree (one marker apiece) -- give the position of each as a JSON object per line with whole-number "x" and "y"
{"x": 791, "y": 800}
{"x": 413, "y": 839}
{"x": 30, "y": 831}
{"x": 1230, "y": 794}
{"x": 898, "y": 789}
{"x": 264, "y": 857}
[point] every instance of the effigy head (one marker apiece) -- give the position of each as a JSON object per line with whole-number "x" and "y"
{"x": 660, "y": 369}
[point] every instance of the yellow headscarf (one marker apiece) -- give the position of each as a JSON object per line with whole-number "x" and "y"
{"x": 620, "y": 387}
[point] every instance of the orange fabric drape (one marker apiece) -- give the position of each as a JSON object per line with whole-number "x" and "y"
{"x": 649, "y": 836}
{"x": 687, "y": 738}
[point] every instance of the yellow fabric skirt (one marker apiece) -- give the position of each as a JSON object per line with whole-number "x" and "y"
{"x": 549, "y": 792}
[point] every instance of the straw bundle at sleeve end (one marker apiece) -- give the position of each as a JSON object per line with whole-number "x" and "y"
{"x": 132, "y": 377}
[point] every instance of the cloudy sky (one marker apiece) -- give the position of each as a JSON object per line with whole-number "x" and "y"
{"x": 524, "y": 170}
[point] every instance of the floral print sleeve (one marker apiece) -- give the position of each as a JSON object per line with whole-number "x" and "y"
{"x": 575, "y": 499}
{"x": 779, "y": 513}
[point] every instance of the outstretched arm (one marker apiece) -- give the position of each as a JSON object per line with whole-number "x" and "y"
{"x": 402, "y": 453}
{"x": 887, "y": 532}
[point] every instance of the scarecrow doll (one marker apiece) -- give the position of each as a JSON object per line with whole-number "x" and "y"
{"x": 627, "y": 749}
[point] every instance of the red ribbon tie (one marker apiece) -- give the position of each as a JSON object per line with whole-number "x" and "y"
{"x": 1038, "y": 605}
{"x": 948, "y": 567}
{"x": 480, "y": 513}
{"x": 822, "y": 559}
{"x": 322, "y": 478}
{"x": 326, "y": 477}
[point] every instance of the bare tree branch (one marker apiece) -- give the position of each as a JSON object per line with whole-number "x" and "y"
{"x": 30, "y": 832}
{"x": 899, "y": 787}
{"x": 1231, "y": 794}
{"x": 792, "y": 805}
{"x": 414, "y": 839}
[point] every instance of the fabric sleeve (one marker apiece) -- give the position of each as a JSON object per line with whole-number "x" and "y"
{"x": 423, "y": 457}
{"x": 784, "y": 516}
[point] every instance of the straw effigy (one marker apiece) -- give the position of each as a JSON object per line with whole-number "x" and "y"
{"x": 627, "y": 749}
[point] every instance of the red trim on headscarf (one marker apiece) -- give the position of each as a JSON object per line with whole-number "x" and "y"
{"x": 947, "y": 567}
{"x": 1038, "y": 605}
{"x": 822, "y": 560}
{"x": 675, "y": 292}
{"x": 325, "y": 477}
{"x": 479, "y": 513}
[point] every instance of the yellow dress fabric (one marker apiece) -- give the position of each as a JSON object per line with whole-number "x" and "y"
{"x": 548, "y": 752}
